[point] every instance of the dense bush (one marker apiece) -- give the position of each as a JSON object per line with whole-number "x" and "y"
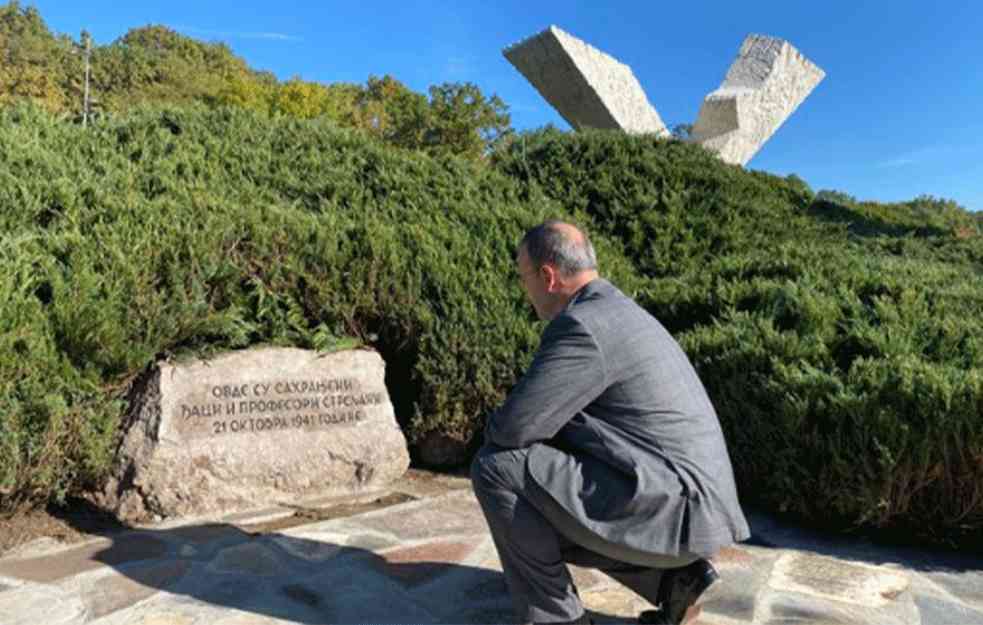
{"x": 170, "y": 232}
{"x": 845, "y": 361}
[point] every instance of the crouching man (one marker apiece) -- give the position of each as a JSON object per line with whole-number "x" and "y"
{"x": 606, "y": 454}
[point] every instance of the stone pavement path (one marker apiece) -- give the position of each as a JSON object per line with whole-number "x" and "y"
{"x": 431, "y": 560}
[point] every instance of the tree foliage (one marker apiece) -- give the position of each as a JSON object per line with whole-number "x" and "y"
{"x": 34, "y": 64}
{"x": 156, "y": 65}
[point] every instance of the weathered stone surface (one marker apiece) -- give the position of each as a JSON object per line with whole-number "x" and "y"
{"x": 794, "y": 610}
{"x": 301, "y": 594}
{"x": 589, "y": 579}
{"x": 251, "y": 619}
{"x": 828, "y": 578}
{"x": 312, "y": 546}
{"x": 165, "y": 619}
{"x": 937, "y": 612}
{"x": 589, "y": 88}
{"x": 253, "y": 427}
{"x": 106, "y": 595}
{"x": 207, "y": 533}
{"x": 966, "y": 585}
{"x": 419, "y": 564}
{"x": 765, "y": 84}
{"x": 35, "y": 548}
{"x": 249, "y": 559}
{"x": 229, "y": 590}
{"x": 363, "y": 595}
{"x": 455, "y": 514}
{"x": 615, "y": 601}
{"x": 319, "y": 546}
{"x": 786, "y": 608}
{"x": 417, "y": 573}
{"x": 31, "y": 605}
{"x": 131, "y": 547}
{"x": 370, "y": 541}
{"x": 743, "y": 572}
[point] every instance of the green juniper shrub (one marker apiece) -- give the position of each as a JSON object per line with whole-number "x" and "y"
{"x": 845, "y": 363}
{"x": 173, "y": 233}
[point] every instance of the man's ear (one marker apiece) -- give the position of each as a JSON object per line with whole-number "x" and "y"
{"x": 551, "y": 277}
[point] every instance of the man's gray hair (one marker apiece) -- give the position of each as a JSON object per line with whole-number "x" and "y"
{"x": 563, "y": 245}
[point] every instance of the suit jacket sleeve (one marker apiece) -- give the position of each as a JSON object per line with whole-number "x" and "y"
{"x": 567, "y": 373}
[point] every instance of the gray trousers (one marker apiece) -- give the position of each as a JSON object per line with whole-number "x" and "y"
{"x": 535, "y": 542}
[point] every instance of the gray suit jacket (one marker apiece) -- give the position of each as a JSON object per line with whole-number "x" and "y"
{"x": 621, "y": 434}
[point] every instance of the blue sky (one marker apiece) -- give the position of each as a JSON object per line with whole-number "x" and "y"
{"x": 898, "y": 115}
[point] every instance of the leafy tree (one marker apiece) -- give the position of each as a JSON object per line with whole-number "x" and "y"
{"x": 307, "y": 100}
{"x": 255, "y": 93}
{"x": 156, "y": 65}
{"x": 34, "y": 61}
{"x": 389, "y": 110}
{"x": 465, "y": 122}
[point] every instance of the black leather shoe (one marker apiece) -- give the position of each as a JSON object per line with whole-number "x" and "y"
{"x": 679, "y": 593}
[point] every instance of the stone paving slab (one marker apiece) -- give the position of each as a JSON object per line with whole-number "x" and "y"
{"x": 964, "y": 587}
{"x": 433, "y": 561}
{"x": 116, "y": 590}
{"x": 96, "y": 554}
{"x": 745, "y": 572}
{"x": 454, "y": 514}
{"x": 834, "y": 580}
{"x": 40, "y": 603}
{"x": 941, "y": 612}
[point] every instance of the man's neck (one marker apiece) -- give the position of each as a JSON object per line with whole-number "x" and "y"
{"x": 570, "y": 287}
{"x": 580, "y": 281}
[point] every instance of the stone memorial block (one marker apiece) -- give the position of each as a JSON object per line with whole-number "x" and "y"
{"x": 767, "y": 82}
{"x": 587, "y": 87}
{"x": 253, "y": 428}
{"x": 591, "y": 89}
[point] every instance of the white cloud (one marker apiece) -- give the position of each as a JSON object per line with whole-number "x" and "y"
{"x": 901, "y": 161}
{"x": 915, "y": 157}
{"x": 238, "y": 34}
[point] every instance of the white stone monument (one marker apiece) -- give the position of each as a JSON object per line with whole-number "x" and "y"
{"x": 587, "y": 87}
{"x": 253, "y": 429}
{"x": 590, "y": 89}
{"x": 765, "y": 84}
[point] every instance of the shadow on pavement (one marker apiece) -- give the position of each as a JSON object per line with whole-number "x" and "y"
{"x": 277, "y": 575}
{"x": 771, "y": 532}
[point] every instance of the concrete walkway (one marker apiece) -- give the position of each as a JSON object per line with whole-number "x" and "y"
{"x": 431, "y": 560}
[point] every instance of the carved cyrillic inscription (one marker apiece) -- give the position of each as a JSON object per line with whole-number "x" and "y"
{"x": 269, "y": 406}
